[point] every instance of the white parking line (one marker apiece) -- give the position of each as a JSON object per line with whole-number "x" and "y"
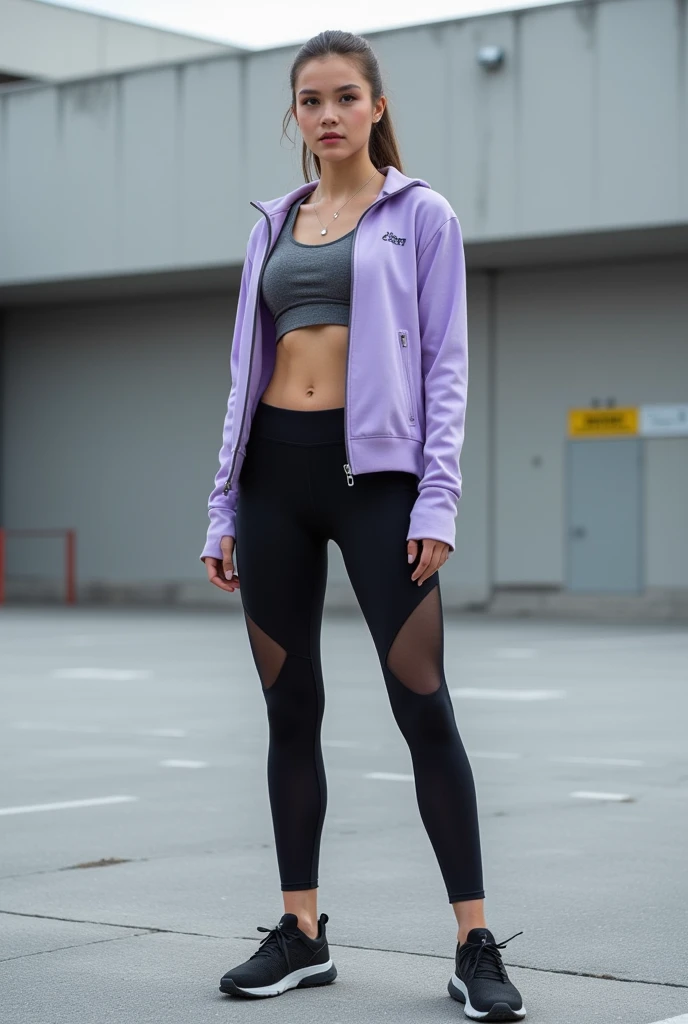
{"x": 591, "y": 795}
{"x": 480, "y": 693}
{"x": 115, "y": 675}
{"x": 389, "y": 776}
{"x": 183, "y": 764}
{"x": 683, "y": 1019}
{"x": 621, "y": 761}
{"x": 67, "y": 805}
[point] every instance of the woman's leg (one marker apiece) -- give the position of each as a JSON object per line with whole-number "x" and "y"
{"x": 282, "y": 565}
{"x": 406, "y": 624}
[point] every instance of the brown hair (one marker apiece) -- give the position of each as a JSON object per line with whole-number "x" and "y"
{"x": 382, "y": 146}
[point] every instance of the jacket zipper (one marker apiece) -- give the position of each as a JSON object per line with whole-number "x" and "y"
{"x": 250, "y": 358}
{"x": 403, "y": 339}
{"x": 347, "y": 465}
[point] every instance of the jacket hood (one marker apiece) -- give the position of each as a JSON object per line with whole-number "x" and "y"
{"x": 395, "y": 181}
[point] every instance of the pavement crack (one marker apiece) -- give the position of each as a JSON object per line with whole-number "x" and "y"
{"x": 144, "y": 930}
{"x": 522, "y": 967}
{"x": 600, "y": 977}
{"x": 73, "y": 945}
{"x": 73, "y": 867}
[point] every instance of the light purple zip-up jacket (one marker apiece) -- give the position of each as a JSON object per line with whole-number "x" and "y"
{"x": 407, "y": 357}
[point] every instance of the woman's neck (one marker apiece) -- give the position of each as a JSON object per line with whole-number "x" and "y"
{"x": 338, "y": 183}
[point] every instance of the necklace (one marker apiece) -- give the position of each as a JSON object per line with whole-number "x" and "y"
{"x": 324, "y": 230}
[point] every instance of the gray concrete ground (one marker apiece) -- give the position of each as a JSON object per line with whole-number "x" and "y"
{"x": 164, "y": 709}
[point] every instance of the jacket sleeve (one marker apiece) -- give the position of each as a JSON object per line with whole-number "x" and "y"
{"x": 221, "y": 506}
{"x": 444, "y": 361}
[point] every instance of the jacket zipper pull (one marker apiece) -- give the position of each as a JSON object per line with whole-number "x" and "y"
{"x": 349, "y": 475}
{"x": 225, "y": 489}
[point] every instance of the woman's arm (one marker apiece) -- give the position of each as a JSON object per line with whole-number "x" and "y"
{"x": 221, "y": 506}
{"x": 444, "y": 360}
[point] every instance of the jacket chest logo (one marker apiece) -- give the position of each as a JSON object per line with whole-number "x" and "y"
{"x": 389, "y": 236}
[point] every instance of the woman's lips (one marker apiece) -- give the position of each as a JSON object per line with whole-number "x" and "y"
{"x": 332, "y": 138}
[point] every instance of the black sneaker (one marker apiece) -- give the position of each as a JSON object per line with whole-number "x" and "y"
{"x": 480, "y": 979}
{"x": 286, "y": 958}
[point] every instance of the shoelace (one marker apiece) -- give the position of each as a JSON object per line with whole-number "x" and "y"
{"x": 274, "y": 943}
{"x": 487, "y": 957}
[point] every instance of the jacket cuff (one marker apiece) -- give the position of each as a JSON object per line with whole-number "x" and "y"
{"x": 433, "y": 516}
{"x": 221, "y": 525}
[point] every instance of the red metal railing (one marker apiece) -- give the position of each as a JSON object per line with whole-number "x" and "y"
{"x": 69, "y": 537}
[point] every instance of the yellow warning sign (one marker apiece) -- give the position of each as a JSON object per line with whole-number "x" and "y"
{"x": 603, "y": 422}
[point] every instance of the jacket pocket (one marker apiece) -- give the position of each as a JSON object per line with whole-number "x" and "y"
{"x": 402, "y": 337}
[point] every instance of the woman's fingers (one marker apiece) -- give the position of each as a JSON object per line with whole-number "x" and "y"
{"x": 433, "y": 555}
{"x": 226, "y": 567}
{"x": 227, "y": 548}
{"x": 216, "y": 575}
{"x": 418, "y": 574}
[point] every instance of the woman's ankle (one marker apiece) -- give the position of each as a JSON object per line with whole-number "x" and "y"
{"x": 310, "y": 927}
{"x": 303, "y": 903}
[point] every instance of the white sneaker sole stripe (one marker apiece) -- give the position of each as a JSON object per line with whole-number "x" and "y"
{"x": 288, "y": 981}
{"x": 479, "y": 1014}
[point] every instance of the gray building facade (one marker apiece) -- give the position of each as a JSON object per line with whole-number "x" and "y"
{"x": 124, "y": 213}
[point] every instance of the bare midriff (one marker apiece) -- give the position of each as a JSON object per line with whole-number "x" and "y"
{"x": 310, "y": 362}
{"x": 310, "y": 368}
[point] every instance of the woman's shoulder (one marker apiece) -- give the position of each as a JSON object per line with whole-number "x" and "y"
{"x": 432, "y": 205}
{"x": 431, "y": 210}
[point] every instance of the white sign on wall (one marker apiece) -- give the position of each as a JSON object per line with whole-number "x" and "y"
{"x": 664, "y": 420}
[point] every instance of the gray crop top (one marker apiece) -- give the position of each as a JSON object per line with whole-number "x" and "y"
{"x": 307, "y": 284}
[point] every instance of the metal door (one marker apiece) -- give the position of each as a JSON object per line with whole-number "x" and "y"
{"x": 604, "y": 516}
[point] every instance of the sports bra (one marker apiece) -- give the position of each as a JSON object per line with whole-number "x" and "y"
{"x": 307, "y": 284}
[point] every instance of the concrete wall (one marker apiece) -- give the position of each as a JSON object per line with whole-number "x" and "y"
{"x": 113, "y": 417}
{"x": 564, "y": 337}
{"x": 583, "y": 130}
{"x": 112, "y": 424}
{"x": 51, "y": 43}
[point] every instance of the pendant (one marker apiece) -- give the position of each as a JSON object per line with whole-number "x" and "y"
{"x": 336, "y": 215}
{"x": 324, "y": 231}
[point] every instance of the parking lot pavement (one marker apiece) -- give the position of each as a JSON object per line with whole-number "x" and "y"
{"x": 136, "y": 848}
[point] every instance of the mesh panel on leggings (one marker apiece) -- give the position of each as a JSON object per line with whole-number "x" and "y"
{"x": 268, "y": 655}
{"x": 415, "y": 656}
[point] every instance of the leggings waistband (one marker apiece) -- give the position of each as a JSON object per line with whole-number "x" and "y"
{"x": 298, "y": 426}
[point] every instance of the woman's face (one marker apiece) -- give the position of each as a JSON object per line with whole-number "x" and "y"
{"x": 332, "y": 96}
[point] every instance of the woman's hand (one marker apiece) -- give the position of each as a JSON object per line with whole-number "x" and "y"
{"x": 221, "y": 572}
{"x": 434, "y": 554}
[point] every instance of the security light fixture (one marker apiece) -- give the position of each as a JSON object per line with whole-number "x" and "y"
{"x": 491, "y": 57}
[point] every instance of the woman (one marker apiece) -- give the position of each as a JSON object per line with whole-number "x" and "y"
{"x": 345, "y": 422}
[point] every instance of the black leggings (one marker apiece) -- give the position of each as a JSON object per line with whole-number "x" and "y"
{"x": 293, "y": 498}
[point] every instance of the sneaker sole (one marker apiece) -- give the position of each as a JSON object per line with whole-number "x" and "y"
{"x": 306, "y": 977}
{"x": 499, "y": 1012}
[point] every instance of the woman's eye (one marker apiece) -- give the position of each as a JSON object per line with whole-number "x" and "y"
{"x": 346, "y": 96}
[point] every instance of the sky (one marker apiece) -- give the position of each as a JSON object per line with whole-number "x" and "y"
{"x": 258, "y": 24}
